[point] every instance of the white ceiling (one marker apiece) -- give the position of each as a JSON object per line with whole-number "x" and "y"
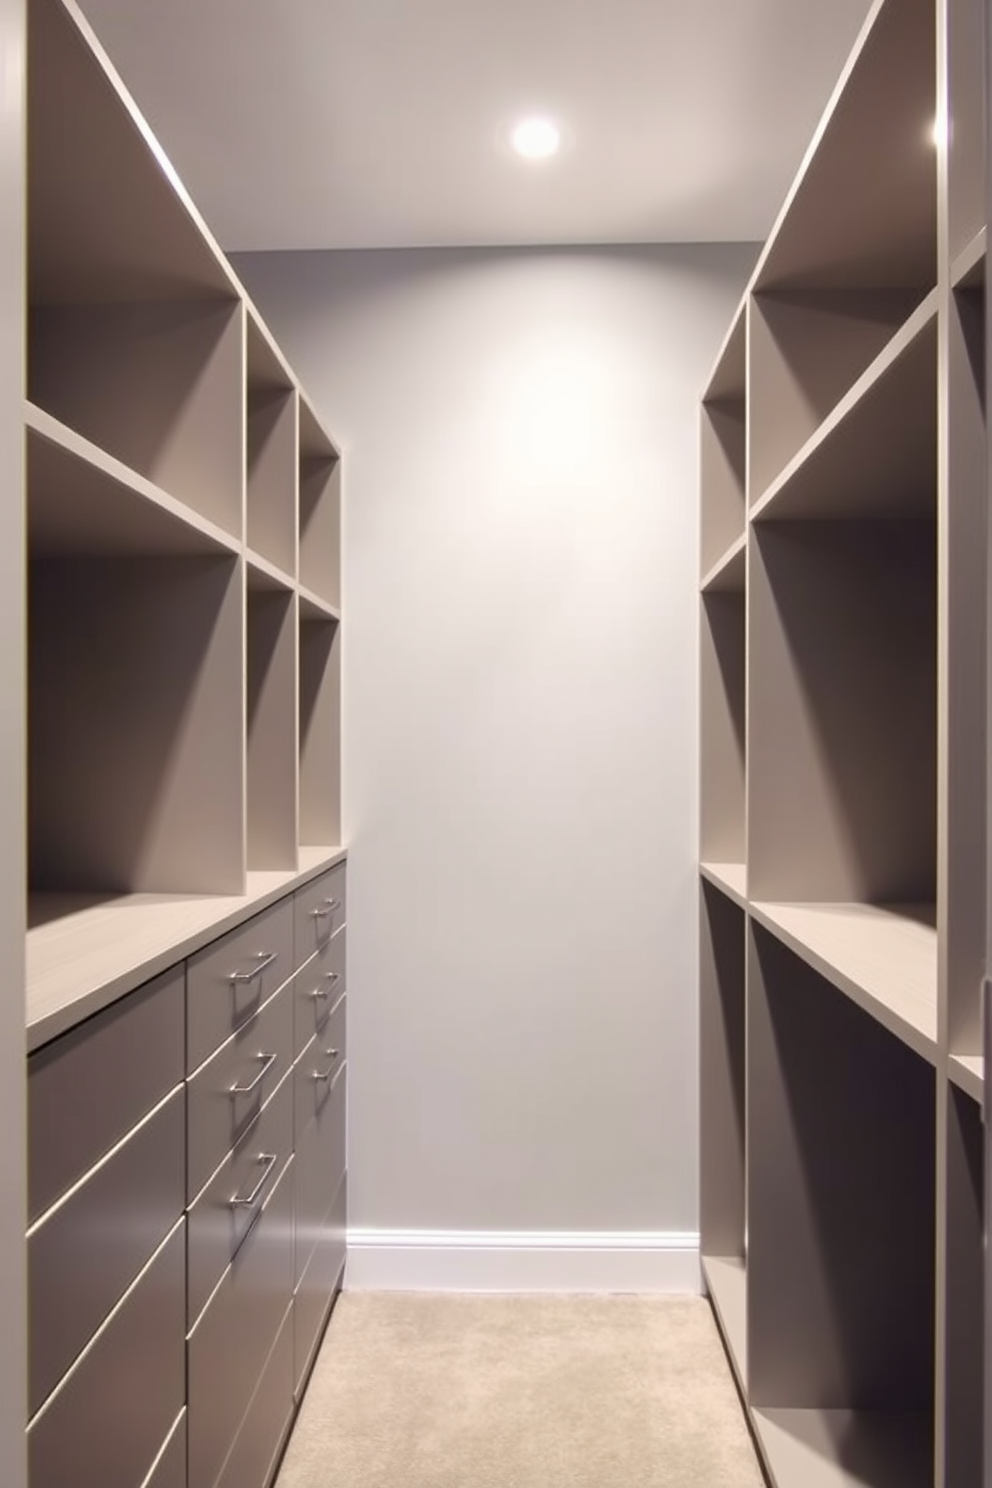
{"x": 377, "y": 123}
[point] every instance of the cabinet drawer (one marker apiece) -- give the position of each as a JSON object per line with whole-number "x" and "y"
{"x": 228, "y": 981}
{"x": 170, "y": 1469}
{"x": 320, "y": 908}
{"x": 320, "y": 1165}
{"x": 216, "y": 1226}
{"x": 254, "y": 1061}
{"x": 230, "y": 1343}
{"x": 87, "y": 1252}
{"x": 318, "y": 1067}
{"x": 318, "y": 1286}
{"x": 87, "y": 1089}
{"x": 264, "y": 1429}
{"x": 317, "y": 988}
{"x": 113, "y": 1412}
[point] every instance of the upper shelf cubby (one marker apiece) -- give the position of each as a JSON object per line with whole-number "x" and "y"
{"x": 135, "y": 331}
{"x": 854, "y": 250}
{"x": 271, "y": 456}
{"x": 320, "y": 509}
{"x": 107, "y": 217}
{"x": 723, "y": 450}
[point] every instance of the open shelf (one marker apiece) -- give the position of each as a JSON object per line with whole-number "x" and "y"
{"x": 134, "y": 330}
{"x": 820, "y": 1448}
{"x": 967, "y": 1072}
{"x": 722, "y": 720}
{"x": 271, "y": 725}
{"x": 729, "y": 878}
{"x": 968, "y": 268}
{"x": 729, "y": 574}
{"x": 320, "y": 510}
{"x": 136, "y": 718}
{"x": 875, "y": 456}
{"x": 82, "y": 501}
{"x": 841, "y": 1233}
{"x": 723, "y": 449}
{"x": 883, "y": 957}
{"x": 963, "y": 661}
{"x": 320, "y": 731}
{"x": 964, "y": 1290}
{"x": 842, "y": 735}
{"x": 272, "y": 457}
{"x": 726, "y": 1282}
{"x": 312, "y": 607}
{"x": 966, "y": 123}
{"x": 722, "y": 1080}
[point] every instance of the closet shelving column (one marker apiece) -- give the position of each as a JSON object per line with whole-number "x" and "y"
{"x": 183, "y": 510}
{"x": 847, "y": 1173}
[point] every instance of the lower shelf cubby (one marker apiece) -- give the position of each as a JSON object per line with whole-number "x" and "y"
{"x": 136, "y": 719}
{"x": 964, "y": 1288}
{"x": 722, "y": 726}
{"x": 271, "y": 723}
{"x": 841, "y": 1235}
{"x": 722, "y": 1115}
{"x": 320, "y": 732}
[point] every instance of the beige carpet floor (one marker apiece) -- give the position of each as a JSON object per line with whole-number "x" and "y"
{"x": 419, "y": 1391}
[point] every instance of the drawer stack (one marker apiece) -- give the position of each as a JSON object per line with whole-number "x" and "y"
{"x": 107, "y": 1246}
{"x": 319, "y": 1111}
{"x": 239, "y": 1020}
{"x": 188, "y": 1206}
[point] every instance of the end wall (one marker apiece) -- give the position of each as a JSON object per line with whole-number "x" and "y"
{"x": 520, "y": 744}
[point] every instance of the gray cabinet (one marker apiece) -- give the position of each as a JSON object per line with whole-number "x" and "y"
{"x": 187, "y": 1158}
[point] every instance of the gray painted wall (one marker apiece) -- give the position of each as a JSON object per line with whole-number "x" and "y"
{"x": 13, "y": 1210}
{"x": 520, "y": 736}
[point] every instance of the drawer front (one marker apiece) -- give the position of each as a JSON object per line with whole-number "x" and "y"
{"x": 254, "y": 1060}
{"x": 317, "y": 988}
{"x": 87, "y": 1089}
{"x": 116, "y": 1408}
{"x": 320, "y": 909}
{"x": 170, "y": 1470}
{"x": 319, "y": 1067}
{"x": 230, "y": 980}
{"x": 85, "y": 1255}
{"x": 264, "y": 1429}
{"x": 318, "y": 1286}
{"x": 320, "y": 1165}
{"x": 217, "y": 1227}
{"x": 230, "y": 1343}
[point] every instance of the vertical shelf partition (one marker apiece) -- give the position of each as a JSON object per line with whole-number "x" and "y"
{"x": 842, "y": 778}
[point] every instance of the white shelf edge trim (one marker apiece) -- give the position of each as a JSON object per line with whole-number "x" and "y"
{"x": 523, "y": 1261}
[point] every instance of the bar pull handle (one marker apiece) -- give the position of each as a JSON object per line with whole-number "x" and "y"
{"x": 321, "y": 994}
{"x": 267, "y": 1161}
{"x": 326, "y": 908}
{"x": 265, "y": 960}
{"x": 322, "y": 1076}
{"x": 266, "y": 1063}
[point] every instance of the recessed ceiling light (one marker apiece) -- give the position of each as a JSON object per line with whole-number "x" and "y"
{"x": 536, "y": 139}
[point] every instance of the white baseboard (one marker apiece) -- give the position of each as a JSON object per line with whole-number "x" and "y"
{"x": 524, "y": 1261}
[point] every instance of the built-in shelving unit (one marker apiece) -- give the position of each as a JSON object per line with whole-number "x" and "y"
{"x": 842, "y": 777}
{"x": 184, "y": 508}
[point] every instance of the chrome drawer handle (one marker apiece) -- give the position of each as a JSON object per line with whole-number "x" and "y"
{"x": 321, "y": 994}
{"x": 268, "y": 1161}
{"x": 322, "y": 1076}
{"x": 327, "y": 908}
{"x": 267, "y": 1061}
{"x": 265, "y": 960}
